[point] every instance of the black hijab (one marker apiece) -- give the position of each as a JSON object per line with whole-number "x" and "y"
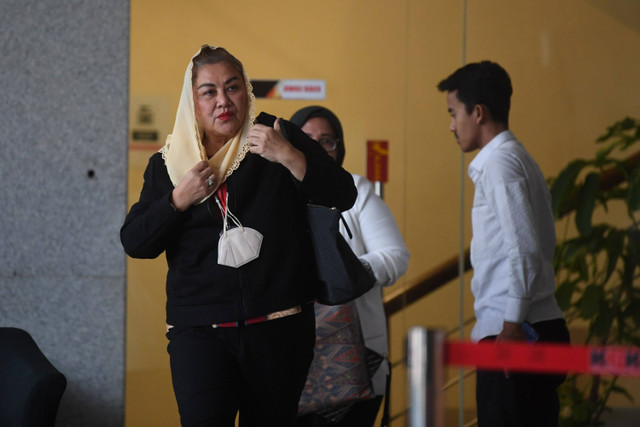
{"x": 301, "y": 116}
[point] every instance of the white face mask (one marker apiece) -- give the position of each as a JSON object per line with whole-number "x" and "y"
{"x": 237, "y": 246}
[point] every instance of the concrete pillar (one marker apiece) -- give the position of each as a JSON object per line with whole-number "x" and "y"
{"x": 63, "y": 169}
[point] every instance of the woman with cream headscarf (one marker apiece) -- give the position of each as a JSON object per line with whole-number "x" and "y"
{"x": 226, "y": 198}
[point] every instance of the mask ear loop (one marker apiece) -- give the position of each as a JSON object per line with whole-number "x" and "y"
{"x": 226, "y": 213}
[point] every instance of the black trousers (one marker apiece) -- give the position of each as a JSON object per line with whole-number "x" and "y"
{"x": 522, "y": 400}
{"x": 258, "y": 370}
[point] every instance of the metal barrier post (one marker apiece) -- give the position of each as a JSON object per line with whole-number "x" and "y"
{"x": 425, "y": 367}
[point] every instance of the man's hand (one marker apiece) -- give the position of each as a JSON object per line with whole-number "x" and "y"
{"x": 511, "y": 332}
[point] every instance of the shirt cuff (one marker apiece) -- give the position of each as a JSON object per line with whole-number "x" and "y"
{"x": 172, "y": 208}
{"x": 516, "y": 309}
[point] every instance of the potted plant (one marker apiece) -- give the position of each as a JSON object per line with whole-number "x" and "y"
{"x": 598, "y": 262}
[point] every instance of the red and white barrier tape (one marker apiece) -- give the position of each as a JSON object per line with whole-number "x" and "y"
{"x": 544, "y": 357}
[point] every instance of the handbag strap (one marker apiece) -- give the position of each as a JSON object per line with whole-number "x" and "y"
{"x": 346, "y": 227}
{"x": 387, "y": 394}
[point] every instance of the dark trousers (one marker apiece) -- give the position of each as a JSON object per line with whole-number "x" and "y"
{"x": 521, "y": 400}
{"x": 258, "y": 370}
{"x": 361, "y": 414}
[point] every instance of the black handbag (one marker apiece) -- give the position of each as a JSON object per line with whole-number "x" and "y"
{"x": 342, "y": 276}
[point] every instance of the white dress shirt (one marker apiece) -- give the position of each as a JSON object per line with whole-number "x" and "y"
{"x": 378, "y": 241}
{"x": 513, "y": 239}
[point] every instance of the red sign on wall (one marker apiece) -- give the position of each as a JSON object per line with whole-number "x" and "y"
{"x": 377, "y": 160}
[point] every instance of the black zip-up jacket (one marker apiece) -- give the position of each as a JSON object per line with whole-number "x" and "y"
{"x": 262, "y": 195}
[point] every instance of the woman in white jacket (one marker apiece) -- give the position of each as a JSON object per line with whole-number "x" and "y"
{"x": 378, "y": 243}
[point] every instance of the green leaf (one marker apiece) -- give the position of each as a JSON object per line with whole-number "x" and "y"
{"x": 563, "y": 185}
{"x": 611, "y": 130}
{"x": 596, "y": 240}
{"x": 623, "y": 391}
{"x": 603, "y": 153}
{"x": 631, "y": 258}
{"x": 633, "y": 312}
{"x": 590, "y": 301}
{"x": 584, "y": 268}
{"x": 586, "y": 203}
{"x": 614, "y": 245}
{"x": 574, "y": 250}
{"x": 617, "y": 129}
{"x": 564, "y": 293}
{"x": 603, "y": 321}
{"x": 633, "y": 192}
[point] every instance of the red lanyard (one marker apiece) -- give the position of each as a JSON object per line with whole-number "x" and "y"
{"x": 222, "y": 195}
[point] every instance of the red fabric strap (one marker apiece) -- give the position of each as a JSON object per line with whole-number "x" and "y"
{"x": 222, "y": 195}
{"x": 545, "y": 357}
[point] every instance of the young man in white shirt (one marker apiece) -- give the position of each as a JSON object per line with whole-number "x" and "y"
{"x": 511, "y": 249}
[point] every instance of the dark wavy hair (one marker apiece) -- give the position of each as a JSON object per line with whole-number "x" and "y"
{"x": 485, "y": 83}
{"x": 214, "y": 55}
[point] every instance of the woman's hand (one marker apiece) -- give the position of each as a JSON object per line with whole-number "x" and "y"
{"x": 194, "y": 187}
{"x": 271, "y": 145}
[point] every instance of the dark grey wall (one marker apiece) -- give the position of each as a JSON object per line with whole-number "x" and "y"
{"x": 63, "y": 162}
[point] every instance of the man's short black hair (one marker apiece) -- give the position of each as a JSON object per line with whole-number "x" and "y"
{"x": 485, "y": 83}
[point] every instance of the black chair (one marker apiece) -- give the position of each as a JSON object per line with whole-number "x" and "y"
{"x": 30, "y": 386}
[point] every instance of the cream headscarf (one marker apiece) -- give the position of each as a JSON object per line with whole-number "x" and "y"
{"x": 183, "y": 148}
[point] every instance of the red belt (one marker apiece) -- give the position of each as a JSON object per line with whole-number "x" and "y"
{"x": 264, "y": 318}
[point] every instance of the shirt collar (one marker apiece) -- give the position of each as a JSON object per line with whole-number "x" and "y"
{"x": 477, "y": 164}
